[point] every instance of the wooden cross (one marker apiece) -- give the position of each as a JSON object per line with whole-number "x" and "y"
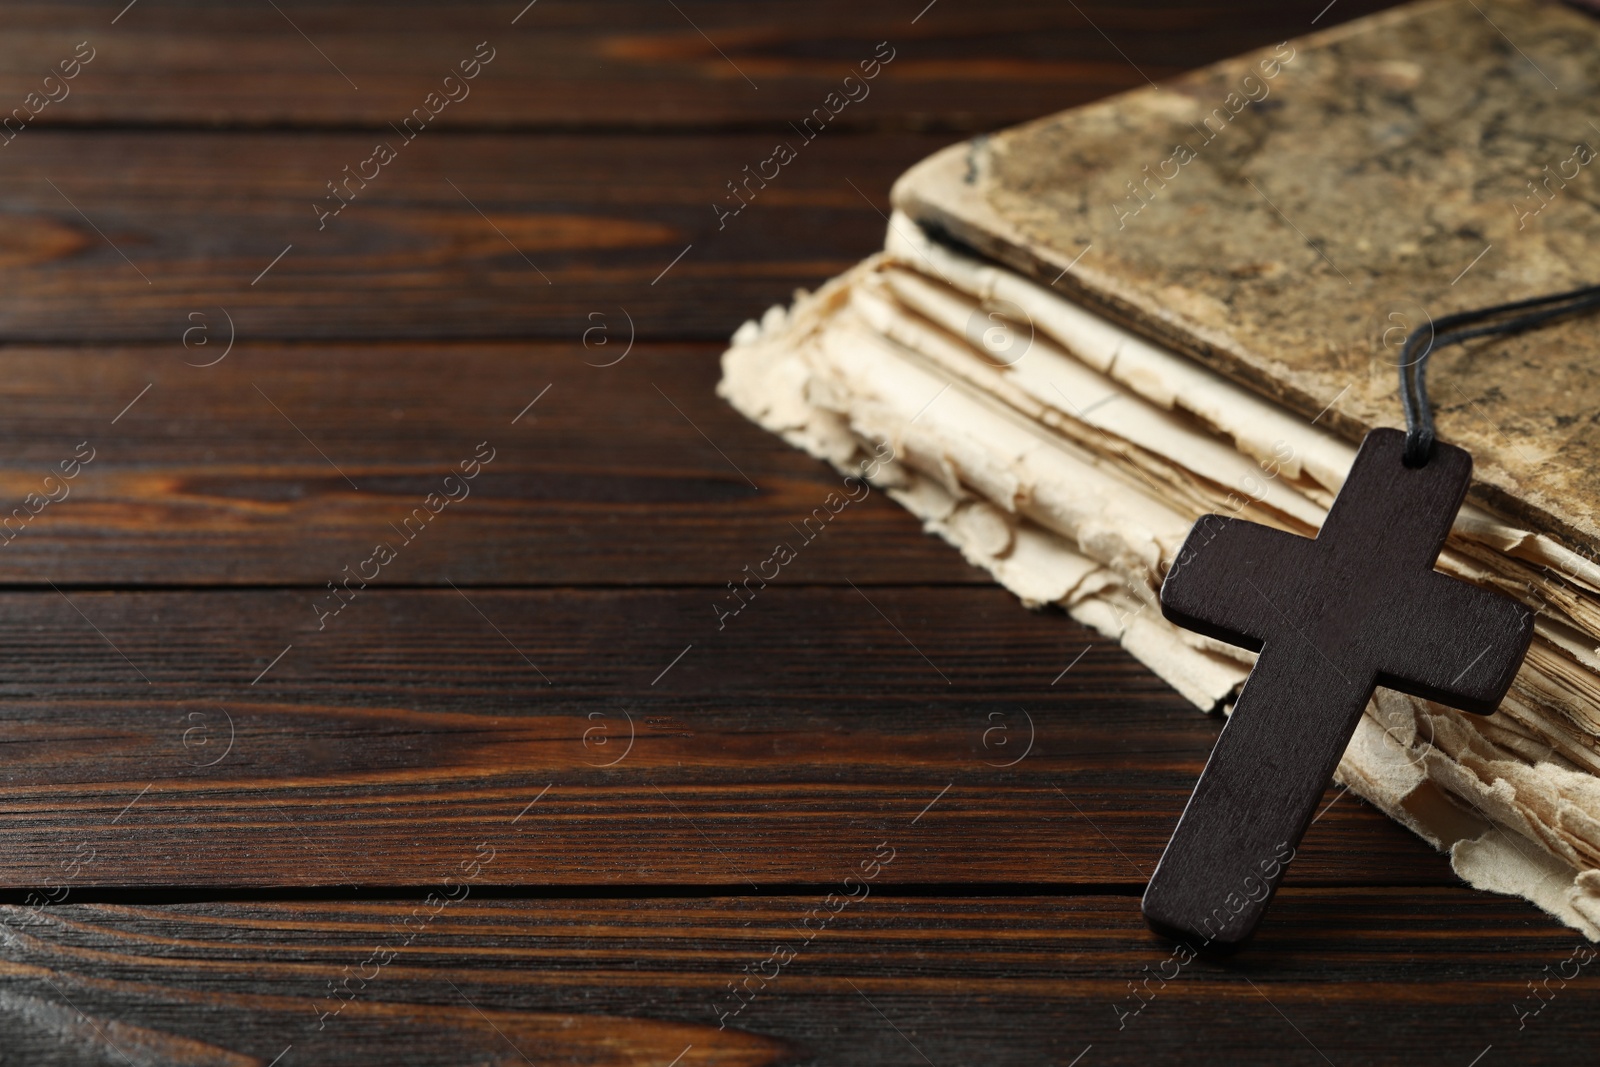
{"x": 1333, "y": 617}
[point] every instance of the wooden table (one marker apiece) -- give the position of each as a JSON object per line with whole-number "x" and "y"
{"x": 520, "y": 798}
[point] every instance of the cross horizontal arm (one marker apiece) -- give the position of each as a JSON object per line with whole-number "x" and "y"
{"x": 1228, "y": 575}
{"x": 1455, "y": 643}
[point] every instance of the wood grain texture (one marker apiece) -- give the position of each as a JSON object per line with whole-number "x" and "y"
{"x": 113, "y": 235}
{"x": 231, "y": 474}
{"x": 419, "y": 722}
{"x": 630, "y": 64}
{"x": 889, "y": 980}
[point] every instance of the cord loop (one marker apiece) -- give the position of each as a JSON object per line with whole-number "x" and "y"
{"x": 1458, "y": 328}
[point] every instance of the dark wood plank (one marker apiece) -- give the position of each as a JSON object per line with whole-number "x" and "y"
{"x": 1339, "y": 976}
{"x": 606, "y": 480}
{"x": 420, "y": 720}
{"x": 636, "y": 63}
{"x": 122, "y": 236}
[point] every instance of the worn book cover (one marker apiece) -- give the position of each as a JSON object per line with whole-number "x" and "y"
{"x": 1286, "y": 217}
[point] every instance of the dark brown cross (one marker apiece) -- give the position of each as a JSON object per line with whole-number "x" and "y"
{"x": 1334, "y": 617}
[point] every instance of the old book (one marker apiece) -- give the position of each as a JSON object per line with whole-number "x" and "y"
{"x": 1284, "y": 217}
{"x": 1087, "y": 331}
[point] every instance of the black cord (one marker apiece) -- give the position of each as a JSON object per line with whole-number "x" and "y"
{"x": 1457, "y": 328}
